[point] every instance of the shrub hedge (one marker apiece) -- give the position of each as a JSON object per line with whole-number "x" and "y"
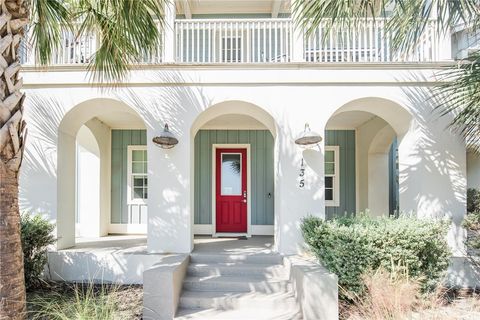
{"x": 473, "y": 200}
{"x": 352, "y": 247}
{"x": 37, "y": 235}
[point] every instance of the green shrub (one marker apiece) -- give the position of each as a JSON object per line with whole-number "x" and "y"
{"x": 473, "y": 200}
{"x": 352, "y": 247}
{"x": 36, "y": 237}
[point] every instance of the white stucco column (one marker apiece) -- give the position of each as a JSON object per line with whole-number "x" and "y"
{"x": 292, "y": 202}
{"x": 169, "y": 212}
{"x": 88, "y": 185}
{"x": 378, "y": 187}
{"x": 65, "y": 215}
{"x": 169, "y": 32}
{"x": 432, "y": 164}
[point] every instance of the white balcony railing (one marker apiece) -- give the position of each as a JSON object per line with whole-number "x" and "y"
{"x": 233, "y": 41}
{"x": 73, "y": 50}
{"x": 203, "y": 41}
{"x": 369, "y": 42}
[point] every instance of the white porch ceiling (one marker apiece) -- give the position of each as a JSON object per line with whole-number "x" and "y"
{"x": 349, "y": 120}
{"x": 122, "y": 120}
{"x": 189, "y": 7}
{"x": 234, "y": 122}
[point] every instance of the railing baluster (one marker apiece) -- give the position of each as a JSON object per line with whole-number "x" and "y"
{"x": 248, "y": 58}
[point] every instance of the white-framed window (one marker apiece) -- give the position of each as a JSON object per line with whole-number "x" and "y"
{"x": 137, "y": 181}
{"x": 332, "y": 176}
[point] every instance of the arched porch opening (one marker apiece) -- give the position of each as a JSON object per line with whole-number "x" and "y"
{"x": 98, "y": 141}
{"x": 232, "y": 195}
{"x": 361, "y": 157}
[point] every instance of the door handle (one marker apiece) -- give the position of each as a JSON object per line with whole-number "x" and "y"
{"x": 245, "y": 194}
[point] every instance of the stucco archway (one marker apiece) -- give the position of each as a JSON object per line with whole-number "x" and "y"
{"x": 375, "y": 126}
{"x": 239, "y": 122}
{"x": 90, "y": 113}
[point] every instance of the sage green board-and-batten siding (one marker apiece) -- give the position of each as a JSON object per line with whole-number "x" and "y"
{"x": 345, "y": 139}
{"x": 122, "y": 212}
{"x": 262, "y": 172}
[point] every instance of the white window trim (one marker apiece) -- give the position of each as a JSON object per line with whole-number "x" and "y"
{"x": 130, "y": 150}
{"x": 336, "y": 178}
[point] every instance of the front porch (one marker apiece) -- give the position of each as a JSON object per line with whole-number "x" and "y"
{"x": 123, "y": 258}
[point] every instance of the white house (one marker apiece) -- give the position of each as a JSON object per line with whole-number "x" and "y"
{"x": 236, "y": 83}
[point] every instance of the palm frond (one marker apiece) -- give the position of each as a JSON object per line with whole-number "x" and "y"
{"x": 410, "y": 19}
{"x": 49, "y": 18}
{"x": 309, "y": 14}
{"x": 459, "y": 94}
{"x": 128, "y": 30}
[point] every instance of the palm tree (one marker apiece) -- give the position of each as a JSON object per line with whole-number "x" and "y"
{"x": 408, "y": 19}
{"x": 127, "y": 30}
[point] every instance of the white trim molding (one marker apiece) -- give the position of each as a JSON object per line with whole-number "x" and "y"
{"x": 255, "y": 230}
{"x": 336, "y": 177}
{"x": 130, "y": 150}
{"x": 216, "y": 146}
{"x": 203, "y": 229}
{"x": 262, "y": 230}
{"x": 127, "y": 228}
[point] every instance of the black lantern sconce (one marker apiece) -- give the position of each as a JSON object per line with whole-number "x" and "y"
{"x": 166, "y": 139}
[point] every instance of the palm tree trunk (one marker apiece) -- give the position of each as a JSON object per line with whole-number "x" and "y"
{"x": 13, "y": 19}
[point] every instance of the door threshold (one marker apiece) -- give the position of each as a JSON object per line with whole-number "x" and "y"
{"x": 230, "y": 235}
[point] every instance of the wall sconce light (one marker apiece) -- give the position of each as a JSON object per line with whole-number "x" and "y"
{"x": 166, "y": 139}
{"x": 308, "y": 137}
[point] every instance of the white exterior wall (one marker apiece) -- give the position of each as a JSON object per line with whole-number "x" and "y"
{"x": 432, "y": 160}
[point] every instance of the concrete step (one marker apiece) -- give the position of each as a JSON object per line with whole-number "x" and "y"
{"x": 239, "y": 258}
{"x": 236, "y": 284}
{"x": 250, "y": 313}
{"x": 229, "y": 300}
{"x": 257, "y": 270}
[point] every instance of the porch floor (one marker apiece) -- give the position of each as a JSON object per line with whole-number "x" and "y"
{"x": 202, "y": 244}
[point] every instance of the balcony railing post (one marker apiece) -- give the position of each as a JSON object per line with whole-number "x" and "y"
{"x": 444, "y": 49}
{"x": 298, "y": 44}
{"x": 169, "y": 31}
{"x": 298, "y": 39}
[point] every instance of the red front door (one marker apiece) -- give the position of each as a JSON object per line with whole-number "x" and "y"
{"x": 231, "y": 190}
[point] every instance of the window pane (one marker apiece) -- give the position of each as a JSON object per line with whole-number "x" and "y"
{"x": 145, "y": 194}
{"x": 138, "y": 167}
{"x": 328, "y": 182}
{"x": 139, "y": 181}
{"x": 231, "y": 174}
{"x": 137, "y": 193}
{"x": 329, "y": 156}
{"x": 328, "y": 194}
{"x": 137, "y": 155}
{"x": 329, "y": 168}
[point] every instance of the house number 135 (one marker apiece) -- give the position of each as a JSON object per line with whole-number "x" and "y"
{"x": 302, "y": 175}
